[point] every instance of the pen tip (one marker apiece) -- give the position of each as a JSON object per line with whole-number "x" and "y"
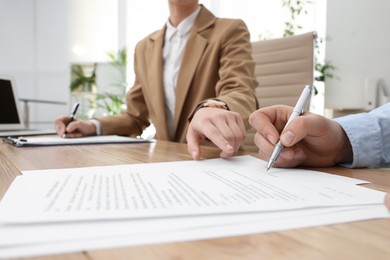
{"x": 270, "y": 164}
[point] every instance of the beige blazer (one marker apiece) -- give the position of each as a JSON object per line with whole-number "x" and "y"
{"x": 217, "y": 63}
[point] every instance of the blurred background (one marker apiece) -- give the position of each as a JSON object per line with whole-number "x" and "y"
{"x": 82, "y": 50}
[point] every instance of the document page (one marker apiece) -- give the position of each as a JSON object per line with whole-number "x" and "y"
{"x": 186, "y": 188}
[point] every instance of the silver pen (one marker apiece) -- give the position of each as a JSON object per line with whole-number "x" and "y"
{"x": 299, "y": 108}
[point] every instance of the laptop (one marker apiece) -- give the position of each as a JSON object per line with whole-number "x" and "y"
{"x": 11, "y": 120}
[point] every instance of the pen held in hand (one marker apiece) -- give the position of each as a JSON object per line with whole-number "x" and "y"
{"x": 299, "y": 108}
{"x": 72, "y": 116}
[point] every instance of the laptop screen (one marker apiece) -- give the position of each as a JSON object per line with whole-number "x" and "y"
{"x": 8, "y": 105}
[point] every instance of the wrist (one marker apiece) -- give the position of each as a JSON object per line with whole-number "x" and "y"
{"x": 215, "y": 104}
{"x": 345, "y": 154}
{"x": 212, "y": 103}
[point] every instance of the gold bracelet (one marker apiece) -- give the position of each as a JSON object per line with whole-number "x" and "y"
{"x": 215, "y": 103}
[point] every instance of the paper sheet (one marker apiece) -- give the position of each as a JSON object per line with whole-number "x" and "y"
{"x": 34, "y": 223}
{"x": 35, "y": 239}
{"x": 172, "y": 189}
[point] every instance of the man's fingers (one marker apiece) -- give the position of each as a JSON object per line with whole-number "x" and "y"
{"x": 263, "y": 121}
{"x": 265, "y": 147}
{"x": 289, "y": 157}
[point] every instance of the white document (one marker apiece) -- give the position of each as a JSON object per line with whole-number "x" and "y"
{"x": 33, "y": 240}
{"x": 57, "y": 140}
{"x": 186, "y": 188}
{"x": 47, "y": 211}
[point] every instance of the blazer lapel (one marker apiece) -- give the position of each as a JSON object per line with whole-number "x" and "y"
{"x": 196, "y": 44}
{"x": 155, "y": 78}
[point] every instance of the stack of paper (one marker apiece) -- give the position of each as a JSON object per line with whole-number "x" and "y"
{"x": 54, "y": 211}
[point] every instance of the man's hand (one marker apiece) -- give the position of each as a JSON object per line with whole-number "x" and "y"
{"x": 308, "y": 140}
{"x": 224, "y": 128}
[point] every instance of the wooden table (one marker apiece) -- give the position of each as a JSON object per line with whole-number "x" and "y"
{"x": 357, "y": 240}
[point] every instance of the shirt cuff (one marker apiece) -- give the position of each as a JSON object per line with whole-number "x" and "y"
{"x": 364, "y": 135}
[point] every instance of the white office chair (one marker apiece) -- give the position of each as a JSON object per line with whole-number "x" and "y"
{"x": 283, "y": 67}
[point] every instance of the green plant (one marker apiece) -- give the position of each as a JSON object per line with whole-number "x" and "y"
{"x": 296, "y": 8}
{"x": 80, "y": 81}
{"x": 322, "y": 69}
{"x": 119, "y": 61}
{"x": 114, "y": 103}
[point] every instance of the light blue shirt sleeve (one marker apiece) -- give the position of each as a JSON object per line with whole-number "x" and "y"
{"x": 369, "y": 134}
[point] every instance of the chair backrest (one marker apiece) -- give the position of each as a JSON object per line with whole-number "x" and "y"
{"x": 283, "y": 67}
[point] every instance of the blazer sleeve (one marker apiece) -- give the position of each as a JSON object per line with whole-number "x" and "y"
{"x": 134, "y": 119}
{"x": 237, "y": 83}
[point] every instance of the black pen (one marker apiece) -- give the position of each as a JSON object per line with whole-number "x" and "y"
{"x": 72, "y": 115}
